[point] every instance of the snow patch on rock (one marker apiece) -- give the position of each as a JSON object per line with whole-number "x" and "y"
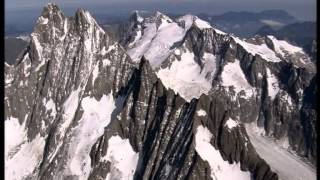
{"x": 283, "y": 47}
{"x": 185, "y": 77}
{"x": 262, "y": 50}
{"x": 201, "y": 112}
{"x": 202, "y": 24}
{"x": 95, "y": 73}
{"x": 209, "y": 66}
{"x": 122, "y": 157}
{"x": 106, "y": 62}
{"x": 232, "y": 75}
{"x": 96, "y": 116}
{"x": 286, "y": 49}
{"x": 231, "y": 123}
{"x": 220, "y": 169}
{"x": 70, "y": 106}
{"x": 14, "y": 135}
{"x": 273, "y": 84}
{"x": 43, "y": 20}
{"x": 21, "y": 157}
{"x": 51, "y": 106}
{"x": 38, "y": 47}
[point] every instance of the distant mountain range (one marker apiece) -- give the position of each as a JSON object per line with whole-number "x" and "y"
{"x": 13, "y": 47}
{"x": 246, "y": 24}
{"x": 231, "y": 22}
{"x": 242, "y": 24}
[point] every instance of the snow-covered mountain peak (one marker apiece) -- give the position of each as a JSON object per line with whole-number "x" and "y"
{"x": 162, "y": 33}
{"x": 188, "y": 20}
{"x": 158, "y": 14}
{"x": 186, "y": 53}
{"x": 65, "y": 58}
{"x": 271, "y": 49}
{"x": 83, "y": 17}
{"x": 288, "y": 51}
{"x": 50, "y": 9}
{"x": 136, "y": 17}
{"x": 50, "y": 13}
{"x": 160, "y": 19}
{"x": 182, "y": 51}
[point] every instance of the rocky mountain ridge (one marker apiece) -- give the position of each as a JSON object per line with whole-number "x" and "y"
{"x": 264, "y": 77}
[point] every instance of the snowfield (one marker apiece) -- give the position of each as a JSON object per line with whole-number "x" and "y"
{"x": 262, "y": 50}
{"x": 185, "y": 77}
{"x": 273, "y": 84}
{"x": 123, "y": 159}
{"x": 96, "y": 116}
{"x": 21, "y": 157}
{"x": 232, "y": 75}
{"x": 288, "y": 166}
{"x": 220, "y": 169}
{"x": 231, "y": 123}
{"x": 201, "y": 112}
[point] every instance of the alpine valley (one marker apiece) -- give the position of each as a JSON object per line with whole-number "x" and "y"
{"x": 173, "y": 98}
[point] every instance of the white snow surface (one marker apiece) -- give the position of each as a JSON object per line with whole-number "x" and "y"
{"x": 189, "y": 19}
{"x": 96, "y": 116}
{"x": 70, "y": 106}
{"x": 286, "y": 49}
{"x": 122, "y": 157}
{"x": 65, "y": 30}
{"x": 14, "y": 135}
{"x": 21, "y": 157}
{"x": 38, "y": 47}
{"x": 26, "y": 65}
{"x": 141, "y": 46}
{"x": 185, "y": 77}
{"x": 283, "y": 47}
{"x": 232, "y": 75}
{"x": 43, "y": 20}
{"x": 287, "y": 165}
{"x": 273, "y": 84}
{"x": 166, "y": 36}
{"x": 136, "y": 38}
{"x": 201, "y": 112}
{"x": 202, "y": 24}
{"x": 50, "y": 105}
{"x": 209, "y": 65}
{"x": 95, "y": 73}
{"x": 220, "y": 169}
{"x": 231, "y": 123}
{"x": 155, "y": 43}
{"x": 139, "y": 18}
{"x": 106, "y": 62}
{"x": 110, "y": 48}
{"x": 262, "y": 50}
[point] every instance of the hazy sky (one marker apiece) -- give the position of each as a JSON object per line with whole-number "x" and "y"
{"x": 302, "y": 9}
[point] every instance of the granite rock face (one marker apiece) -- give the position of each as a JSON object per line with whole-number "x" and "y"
{"x": 79, "y": 106}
